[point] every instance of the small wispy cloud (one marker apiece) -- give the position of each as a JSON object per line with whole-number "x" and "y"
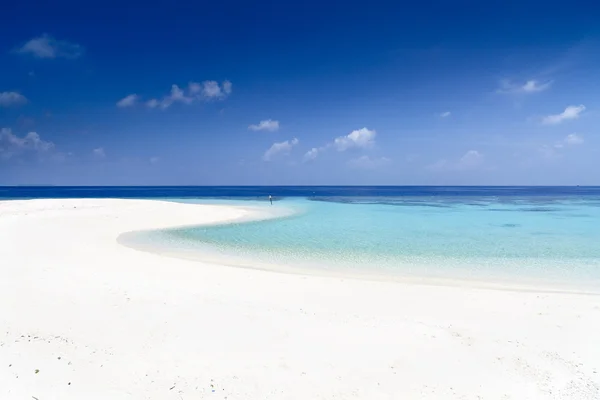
{"x": 445, "y": 114}
{"x": 535, "y": 86}
{"x": 555, "y": 151}
{"x": 46, "y": 46}
{"x": 128, "y": 101}
{"x": 551, "y": 152}
{"x": 268, "y": 125}
{"x": 280, "y": 148}
{"x": 8, "y": 99}
{"x": 312, "y": 154}
{"x": 470, "y": 160}
{"x": 366, "y": 162}
{"x": 571, "y": 112}
{"x": 573, "y": 139}
{"x": 227, "y": 87}
{"x": 99, "y": 152}
{"x": 153, "y": 103}
{"x": 203, "y": 91}
{"x": 530, "y": 86}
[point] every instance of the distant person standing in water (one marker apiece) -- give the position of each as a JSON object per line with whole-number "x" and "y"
{"x": 271, "y": 199}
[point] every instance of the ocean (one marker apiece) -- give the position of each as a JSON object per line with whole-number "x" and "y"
{"x": 522, "y": 236}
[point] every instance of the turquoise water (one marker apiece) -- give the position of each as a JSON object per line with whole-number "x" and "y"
{"x": 516, "y": 240}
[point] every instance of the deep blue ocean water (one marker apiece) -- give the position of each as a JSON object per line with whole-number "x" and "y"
{"x": 260, "y": 192}
{"x": 513, "y": 234}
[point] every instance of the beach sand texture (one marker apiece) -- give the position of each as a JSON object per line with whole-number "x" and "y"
{"x": 83, "y": 317}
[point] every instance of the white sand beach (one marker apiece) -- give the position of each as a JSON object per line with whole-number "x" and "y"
{"x": 83, "y": 317}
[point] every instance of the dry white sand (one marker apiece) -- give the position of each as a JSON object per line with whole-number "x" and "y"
{"x": 82, "y": 317}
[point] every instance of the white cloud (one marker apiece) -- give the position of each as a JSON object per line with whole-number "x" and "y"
{"x": 573, "y": 139}
{"x": 555, "y": 151}
{"x": 46, "y": 46}
{"x": 265, "y": 125}
{"x": 280, "y": 148}
{"x": 312, "y": 154}
{"x": 128, "y": 101}
{"x": 175, "y": 96}
{"x": 227, "y": 87}
{"x": 445, "y": 114}
{"x": 12, "y": 145}
{"x": 153, "y": 103}
{"x": 194, "y": 87}
{"x": 358, "y": 138}
{"x": 205, "y": 91}
{"x": 366, "y": 162}
{"x": 12, "y": 99}
{"x": 571, "y": 112}
{"x": 470, "y": 160}
{"x": 99, "y": 152}
{"x": 209, "y": 90}
{"x": 530, "y": 86}
{"x": 535, "y": 86}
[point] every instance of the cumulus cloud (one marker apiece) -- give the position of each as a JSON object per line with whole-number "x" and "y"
{"x": 203, "y": 91}
{"x": 8, "y": 99}
{"x": 445, "y": 114}
{"x": 208, "y": 90}
{"x": 366, "y": 162}
{"x": 268, "y": 125}
{"x": 176, "y": 96}
{"x": 46, "y": 46}
{"x": 99, "y": 152}
{"x": 470, "y": 160}
{"x": 571, "y": 112}
{"x": 283, "y": 148}
{"x": 12, "y": 145}
{"x": 360, "y": 138}
{"x": 356, "y": 139}
{"x": 128, "y": 101}
{"x": 530, "y": 86}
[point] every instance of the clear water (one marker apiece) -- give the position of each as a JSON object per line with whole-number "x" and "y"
{"x": 514, "y": 235}
{"x": 509, "y": 240}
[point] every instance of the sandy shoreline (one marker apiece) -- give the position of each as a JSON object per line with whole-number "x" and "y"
{"x": 99, "y": 320}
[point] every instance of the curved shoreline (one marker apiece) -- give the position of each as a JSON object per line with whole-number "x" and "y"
{"x": 198, "y": 256}
{"x": 82, "y": 316}
{"x": 258, "y": 213}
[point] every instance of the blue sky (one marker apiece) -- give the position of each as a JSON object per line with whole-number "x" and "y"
{"x": 240, "y": 93}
